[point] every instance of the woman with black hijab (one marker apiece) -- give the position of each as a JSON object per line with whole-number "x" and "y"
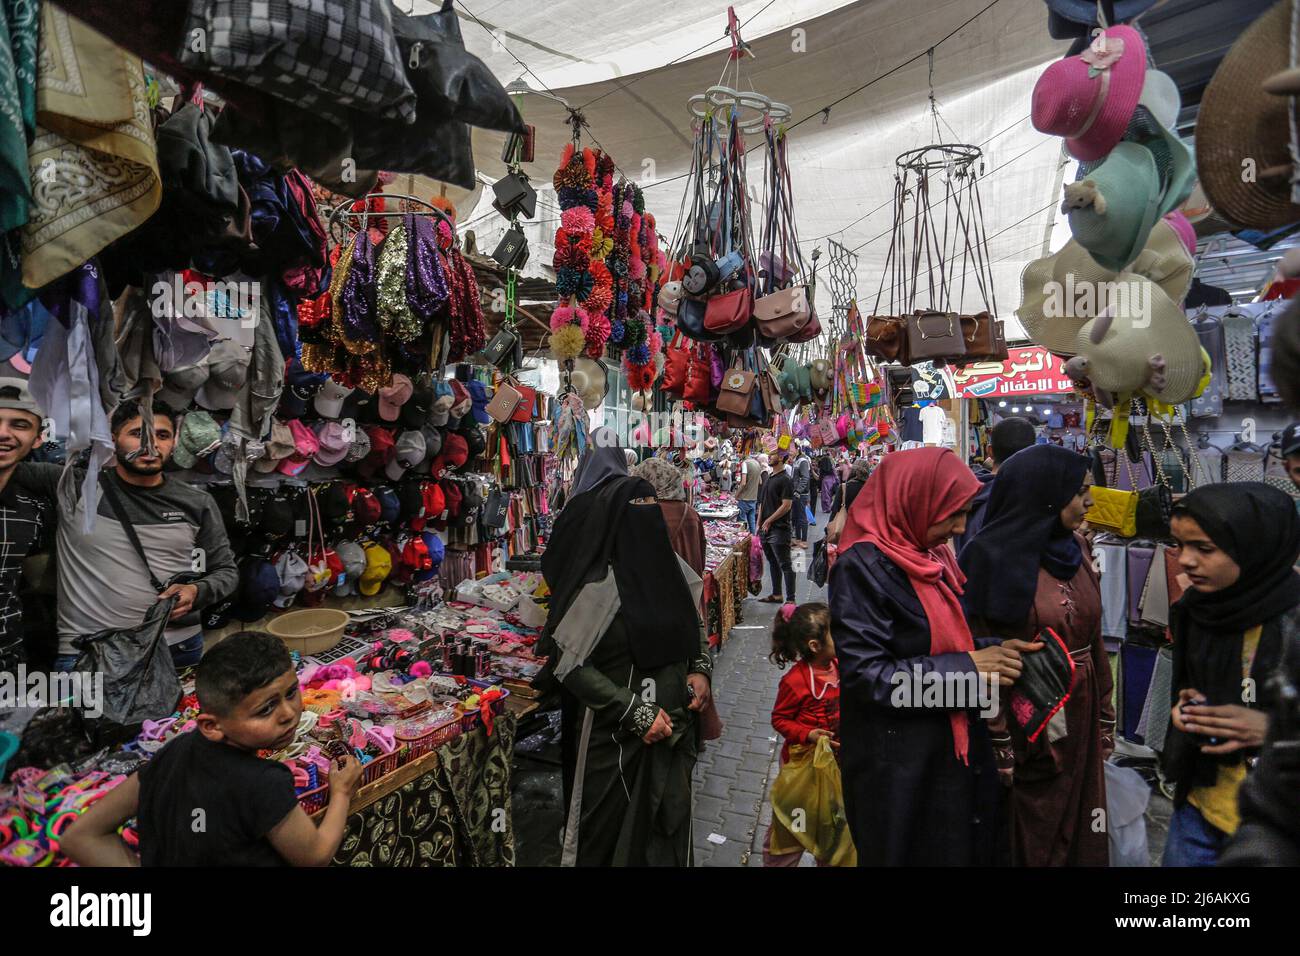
{"x": 1238, "y": 544}
{"x": 626, "y": 644}
{"x": 1025, "y": 571}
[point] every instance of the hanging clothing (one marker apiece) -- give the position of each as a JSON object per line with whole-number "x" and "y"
{"x": 1258, "y": 527}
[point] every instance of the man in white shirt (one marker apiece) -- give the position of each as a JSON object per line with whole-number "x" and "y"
{"x": 751, "y": 477}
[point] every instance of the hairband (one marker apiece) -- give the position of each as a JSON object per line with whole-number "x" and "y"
{"x": 787, "y": 612}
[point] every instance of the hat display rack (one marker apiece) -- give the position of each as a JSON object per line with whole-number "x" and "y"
{"x": 938, "y": 228}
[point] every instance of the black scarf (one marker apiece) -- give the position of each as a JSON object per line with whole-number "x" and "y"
{"x": 601, "y": 528}
{"x": 1022, "y": 532}
{"x": 1257, "y": 526}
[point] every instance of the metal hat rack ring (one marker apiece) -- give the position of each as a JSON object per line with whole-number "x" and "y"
{"x": 338, "y": 215}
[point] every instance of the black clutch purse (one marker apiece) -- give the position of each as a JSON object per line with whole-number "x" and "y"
{"x": 1044, "y": 685}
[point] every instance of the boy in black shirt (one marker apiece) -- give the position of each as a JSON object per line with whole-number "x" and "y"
{"x": 207, "y": 799}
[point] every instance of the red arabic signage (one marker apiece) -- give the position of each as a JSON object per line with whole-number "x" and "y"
{"x": 1026, "y": 371}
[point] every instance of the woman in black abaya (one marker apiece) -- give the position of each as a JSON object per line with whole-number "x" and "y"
{"x": 627, "y": 647}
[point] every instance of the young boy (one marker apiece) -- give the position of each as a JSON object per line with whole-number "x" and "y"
{"x": 207, "y": 799}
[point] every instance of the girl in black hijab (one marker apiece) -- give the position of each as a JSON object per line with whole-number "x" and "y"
{"x": 1238, "y": 546}
{"x": 1025, "y": 571}
{"x": 625, "y": 642}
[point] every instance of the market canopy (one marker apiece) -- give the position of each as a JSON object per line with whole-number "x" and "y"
{"x": 614, "y": 63}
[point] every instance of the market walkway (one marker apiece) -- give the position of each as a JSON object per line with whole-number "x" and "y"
{"x": 735, "y": 773}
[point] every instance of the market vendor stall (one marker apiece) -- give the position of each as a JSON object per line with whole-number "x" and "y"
{"x": 726, "y": 577}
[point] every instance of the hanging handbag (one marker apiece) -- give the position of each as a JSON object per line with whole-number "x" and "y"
{"x": 527, "y": 403}
{"x": 984, "y": 338}
{"x": 699, "y": 375}
{"x": 676, "y": 359}
{"x": 783, "y": 313}
{"x": 886, "y": 338}
{"x": 1152, "y": 512}
{"x": 934, "y": 335}
{"x": 500, "y": 349}
{"x": 690, "y": 320}
{"x": 504, "y": 402}
{"x": 729, "y": 312}
{"x": 736, "y": 392}
{"x": 1113, "y": 510}
{"x": 829, "y": 433}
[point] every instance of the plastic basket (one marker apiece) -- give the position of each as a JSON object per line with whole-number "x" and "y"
{"x": 381, "y": 765}
{"x": 417, "y": 747}
{"x": 315, "y": 800}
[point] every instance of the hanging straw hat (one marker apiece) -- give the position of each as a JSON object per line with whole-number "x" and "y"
{"x": 1237, "y": 123}
{"x": 1089, "y": 99}
{"x": 1112, "y": 212}
{"x": 1115, "y": 351}
{"x": 1046, "y": 283}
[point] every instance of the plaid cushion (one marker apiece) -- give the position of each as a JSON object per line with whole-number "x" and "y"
{"x": 319, "y": 55}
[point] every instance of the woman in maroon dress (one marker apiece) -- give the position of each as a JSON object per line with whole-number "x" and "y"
{"x": 1026, "y": 570}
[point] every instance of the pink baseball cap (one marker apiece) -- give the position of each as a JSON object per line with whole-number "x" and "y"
{"x": 305, "y": 445}
{"x": 333, "y": 444}
{"x": 393, "y": 397}
{"x": 1089, "y": 99}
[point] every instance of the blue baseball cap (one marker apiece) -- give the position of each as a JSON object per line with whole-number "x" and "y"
{"x": 300, "y": 388}
{"x": 259, "y": 585}
{"x": 390, "y": 506}
{"x": 436, "y": 553}
{"x": 479, "y": 394}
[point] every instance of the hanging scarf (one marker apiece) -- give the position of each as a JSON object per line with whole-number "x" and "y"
{"x": 905, "y": 495}
{"x": 1022, "y": 532}
{"x": 426, "y": 285}
{"x": 18, "y": 39}
{"x": 98, "y": 132}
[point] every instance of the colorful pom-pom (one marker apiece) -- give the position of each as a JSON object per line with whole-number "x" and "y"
{"x": 568, "y": 342}
{"x": 578, "y": 219}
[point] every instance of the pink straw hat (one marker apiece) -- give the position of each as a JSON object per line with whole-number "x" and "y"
{"x": 1089, "y": 99}
{"x": 1185, "y": 230}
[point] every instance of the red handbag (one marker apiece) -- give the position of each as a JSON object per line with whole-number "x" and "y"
{"x": 729, "y": 312}
{"x": 810, "y": 331}
{"x": 527, "y": 403}
{"x": 676, "y": 361}
{"x": 699, "y": 375}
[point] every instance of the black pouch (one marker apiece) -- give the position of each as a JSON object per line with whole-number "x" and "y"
{"x": 1044, "y": 685}
{"x": 1154, "y": 509}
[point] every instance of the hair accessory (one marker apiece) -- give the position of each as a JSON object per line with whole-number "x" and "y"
{"x": 787, "y": 612}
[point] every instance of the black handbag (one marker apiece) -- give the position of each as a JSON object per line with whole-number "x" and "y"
{"x": 500, "y": 350}
{"x": 819, "y": 568}
{"x": 495, "y": 509}
{"x": 1044, "y": 686}
{"x": 1154, "y": 509}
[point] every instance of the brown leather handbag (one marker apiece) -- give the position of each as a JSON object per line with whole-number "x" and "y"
{"x": 737, "y": 391}
{"x": 934, "y": 335}
{"x": 886, "y": 338}
{"x": 783, "y": 313}
{"x": 984, "y": 338}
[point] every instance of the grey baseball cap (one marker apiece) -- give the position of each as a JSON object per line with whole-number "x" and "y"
{"x": 409, "y": 453}
{"x": 15, "y": 394}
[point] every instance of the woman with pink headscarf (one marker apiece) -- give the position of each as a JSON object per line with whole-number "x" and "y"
{"x": 920, "y": 784}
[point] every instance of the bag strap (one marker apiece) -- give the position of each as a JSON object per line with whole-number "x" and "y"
{"x": 115, "y": 505}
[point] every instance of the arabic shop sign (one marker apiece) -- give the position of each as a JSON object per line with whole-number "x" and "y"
{"x": 1026, "y": 371}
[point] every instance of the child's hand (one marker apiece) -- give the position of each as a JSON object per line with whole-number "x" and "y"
{"x": 815, "y": 735}
{"x": 345, "y": 778}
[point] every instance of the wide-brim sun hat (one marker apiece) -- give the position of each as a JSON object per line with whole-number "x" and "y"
{"x": 1071, "y": 270}
{"x": 1160, "y": 96}
{"x": 1112, "y": 212}
{"x": 1089, "y": 99}
{"x": 1241, "y": 127}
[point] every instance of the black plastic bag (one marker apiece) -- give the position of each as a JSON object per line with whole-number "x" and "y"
{"x": 140, "y": 681}
{"x": 819, "y": 568}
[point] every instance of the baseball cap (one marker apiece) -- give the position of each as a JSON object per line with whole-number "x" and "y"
{"x": 353, "y": 558}
{"x": 415, "y": 556}
{"x": 180, "y": 384}
{"x": 360, "y": 447}
{"x": 434, "y": 501}
{"x": 432, "y": 441}
{"x": 416, "y": 411}
{"x": 292, "y": 572}
{"x": 259, "y": 585}
{"x": 410, "y": 497}
{"x": 329, "y": 398}
{"x": 366, "y": 509}
{"x": 382, "y": 449}
{"x": 475, "y": 440}
{"x": 305, "y": 445}
{"x": 434, "y": 548}
{"x": 228, "y": 370}
{"x": 278, "y": 446}
{"x": 15, "y": 394}
{"x": 393, "y": 397}
{"x": 461, "y": 403}
{"x": 1291, "y": 439}
{"x": 409, "y": 452}
{"x": 199, "y": 434}
{"x": 333, "y": 445}
{"x": 300, "y": 387}
{"x": 335, "y": 502}
{"x": 379, "y": 564}
{"x": 442, "y": 402}
{"x": 277, "y": 516}
{"x": 455, "y": 452}
{"x": 479, "y": 399}
{"x": 390, "y": 506}
{"x": 452, "y": 497}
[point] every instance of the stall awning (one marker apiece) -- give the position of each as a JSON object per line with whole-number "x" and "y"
{"x": 1026, "y": 371}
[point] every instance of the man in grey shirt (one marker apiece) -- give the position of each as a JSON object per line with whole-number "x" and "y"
{"x": 751, "y": 476}
{"x": 103, "y": 582}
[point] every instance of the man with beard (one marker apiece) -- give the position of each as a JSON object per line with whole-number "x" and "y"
{"x": 24, "y": 517}
{"x": 103, "y": 581}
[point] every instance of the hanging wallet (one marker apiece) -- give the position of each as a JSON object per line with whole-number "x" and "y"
{"x": 1044, "y": 685}
{"x": 504, "y": 402}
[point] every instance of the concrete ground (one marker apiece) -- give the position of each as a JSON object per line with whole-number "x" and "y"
{"x": 734, "y": 774}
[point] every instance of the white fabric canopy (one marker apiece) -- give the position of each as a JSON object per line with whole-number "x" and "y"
{"x": 808, "y": 54}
